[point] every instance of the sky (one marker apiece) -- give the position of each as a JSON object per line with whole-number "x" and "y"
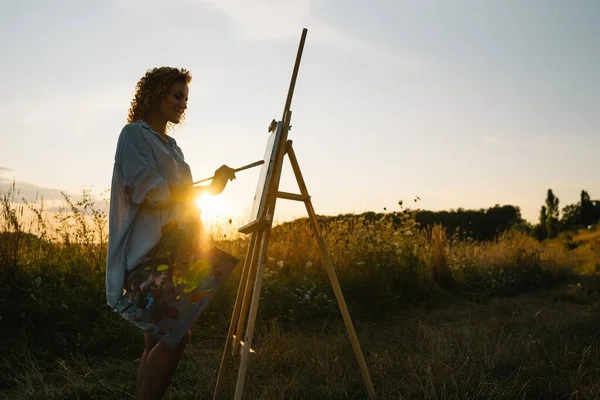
{"x": 465, "y": 103}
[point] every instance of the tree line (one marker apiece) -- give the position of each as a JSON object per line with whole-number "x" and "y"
{"x": 552, "y": 220}
{"x": 486, "y": 224}
{"x": 482, "y": 224}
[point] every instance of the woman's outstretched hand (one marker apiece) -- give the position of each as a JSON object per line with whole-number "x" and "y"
{"x": 187, "y": 193}
{"x": 221, "y": 177}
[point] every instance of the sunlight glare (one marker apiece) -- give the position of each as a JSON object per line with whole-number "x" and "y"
{"x": 212, "y": 207}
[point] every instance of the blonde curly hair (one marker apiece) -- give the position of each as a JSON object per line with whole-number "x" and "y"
{"x": 152, "y": 87}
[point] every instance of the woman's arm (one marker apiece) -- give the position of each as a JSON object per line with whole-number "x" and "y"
{"x": 190, "y": 193}
{"x": 142, "y": 183}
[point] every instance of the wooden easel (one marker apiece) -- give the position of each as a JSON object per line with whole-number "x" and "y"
{"x": 246, "y": 302}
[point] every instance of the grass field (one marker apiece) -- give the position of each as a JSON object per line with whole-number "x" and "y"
{"x": 534, "y": 346}
{"x": 437, "y": 317}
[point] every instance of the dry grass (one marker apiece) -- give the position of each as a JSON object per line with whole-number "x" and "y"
{"x": 406, "y": 289}
{"x": 535, "y": 346}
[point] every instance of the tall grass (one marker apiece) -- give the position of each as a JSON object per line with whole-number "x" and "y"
{"x": 52, "y": 304}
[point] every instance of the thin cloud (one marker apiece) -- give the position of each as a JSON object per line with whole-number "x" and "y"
{"x": 326, "y": 35}
{"x": 53, "y": 198}
{"x": 30, "y": 192}
{"x": 265, "y": 19}
{"x": 4, "y": 169}
{"x": 495, "y": 141}
{"x": 277, "y": 19}
{"x": 262, "y": 20}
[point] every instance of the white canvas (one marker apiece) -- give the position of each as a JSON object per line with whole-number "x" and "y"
{"x": 266, "y": 173}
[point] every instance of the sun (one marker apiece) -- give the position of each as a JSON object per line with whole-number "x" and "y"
{"x": 212, "y": 207}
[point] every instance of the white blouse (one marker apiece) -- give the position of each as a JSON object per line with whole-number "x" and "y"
{"x": 145, "y": 168}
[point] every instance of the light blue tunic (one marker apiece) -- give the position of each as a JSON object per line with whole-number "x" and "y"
{"x": 145, "y": 168}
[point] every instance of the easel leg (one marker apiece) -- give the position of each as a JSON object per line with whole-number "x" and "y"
{"x": 239, "y": 387}
{"x": 235, "y": 315}
{"x": 251, "y": 278}
{"x": 332, "y": 275}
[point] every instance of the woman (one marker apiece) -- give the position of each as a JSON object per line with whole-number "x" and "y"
{"x": 159, "y": 272}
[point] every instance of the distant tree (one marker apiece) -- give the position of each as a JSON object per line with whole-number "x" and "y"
{"x": 596, "y": 211}
{"x": 571, "y": 216}
{"x": 503, "y": 217}
{"x": 552, "y": 216}
{"x": 523, "y": 227}
{"x": 586, "y": 209}
{"x": 540, "y": 229}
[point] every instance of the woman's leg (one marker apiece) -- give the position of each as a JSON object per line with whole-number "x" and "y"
{"x": 149, "y": 344}
{"x": 157, "y": 369}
